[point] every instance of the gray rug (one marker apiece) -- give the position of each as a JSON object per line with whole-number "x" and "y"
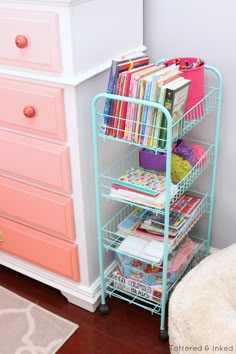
{"x": 26, "y": 328}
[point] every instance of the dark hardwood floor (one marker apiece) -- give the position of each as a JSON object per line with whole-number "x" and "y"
{"x": 127, "y": 329}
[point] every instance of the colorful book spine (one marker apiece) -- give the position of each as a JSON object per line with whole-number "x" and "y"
{"x": 138, "y": 120}
{"x": 126, "y": 92}
{"x": 145, "y": 109}
{"x": 118, "y": 103}
{"x": 150, "y": 111}
{"x": 110, "y": 124}
{"x": 117, "y": 66}
{"x": 158, "y": 117}
{"x": 132, "y": 107}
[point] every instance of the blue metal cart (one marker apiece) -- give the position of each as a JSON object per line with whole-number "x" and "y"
{"x": 109, "y": 235}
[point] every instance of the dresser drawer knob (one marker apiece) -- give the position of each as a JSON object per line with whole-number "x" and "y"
{"x": 21, "y": 41}
{"x": 1, "y": 237}
{"x": 29, "y": 112}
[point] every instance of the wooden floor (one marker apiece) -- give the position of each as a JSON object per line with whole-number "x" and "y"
{"x": 127, "y": 329}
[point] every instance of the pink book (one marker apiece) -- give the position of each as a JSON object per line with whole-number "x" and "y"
{"x": 117, "y": 104}
{"x": 131, "y": 110}
{"x": 116, "y": 69}
{"x": 126, "y": 91}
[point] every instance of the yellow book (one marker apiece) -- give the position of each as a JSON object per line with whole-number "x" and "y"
{"x": 140, "y": 110}
{"x": 145, "y": 80}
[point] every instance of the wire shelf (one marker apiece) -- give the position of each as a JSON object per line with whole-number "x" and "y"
{"x": 153, "y": 141}
{"x": 112, "y": 236}
{"x": 116, "y": 288}
{"x": 108, "y": 177}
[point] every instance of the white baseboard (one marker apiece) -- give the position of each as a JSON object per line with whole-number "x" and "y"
{"x": 87, "y": 297}
{"x": 76, "y": 293}
{"x": 213, "y": 250}
{"x": 80, "y": 295}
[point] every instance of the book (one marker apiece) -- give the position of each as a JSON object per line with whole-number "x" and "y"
{"x": 153, "y": 124}
{"x": 122, "y": 69}
{"x": 186, "y": 205}
{"x": 147, "y": 234}
{"x": 176, "y": 219}
{"x": 147, "y": 97}
{"x": 134, "y": 219}
{"x": 142, "y": 87}
{"x": 157, "y": 202}
{"x": 117, "y": 65}
{"x": 149, "y": 250}
{"x": 123, "y": 66}
{"x": 153, "y": 96}
{"x": 132, "y": 107}
{"x": 175, "y": 101}
{"x": 115, "y": 107}
{"x": 131, "y": 226}
{"x": 127, "y": 75}
{"x": 117, "y": 104}
{"x": 150, "y": 110}
{"x": 143, "y": 93}
{"x": 138, "y": 179}
{"x": 158, "y": 114}
{"x": 156, "y": 229}
{"x": 129, "y": 191}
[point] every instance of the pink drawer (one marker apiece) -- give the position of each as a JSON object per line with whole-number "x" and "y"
{"x": 30, "y": 39}
{"x": 35, "y": 160}
{"x": 33, "y": 108}
{"x": 47, "y": 211}
{"x": 39, "y": 248}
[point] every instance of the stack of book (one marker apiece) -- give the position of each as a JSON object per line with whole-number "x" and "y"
{"x": 142, "y": 186}
{"x": 148, "y": 225}
{"x": 135, "y": 77}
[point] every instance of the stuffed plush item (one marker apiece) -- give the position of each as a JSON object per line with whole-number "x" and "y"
{"x": 185, "y": 151}
{"x": 179, "y": 168}
{"x": 202, "y": 307}
{"x": 199, "y": 151}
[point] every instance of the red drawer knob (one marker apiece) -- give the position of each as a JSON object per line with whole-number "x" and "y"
{"x": 21, "y": 41}
{"x": 29, "y": 112}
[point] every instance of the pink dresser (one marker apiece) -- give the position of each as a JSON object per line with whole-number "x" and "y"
{"x": 54, "y": 58}
{"x": 37, "y": 222}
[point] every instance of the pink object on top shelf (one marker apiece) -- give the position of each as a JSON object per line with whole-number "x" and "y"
{"x": 193, "y": 69}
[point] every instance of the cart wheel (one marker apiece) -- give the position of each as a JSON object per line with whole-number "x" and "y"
{"x": 104, "y": 309}
{"x": 164, "y": 336}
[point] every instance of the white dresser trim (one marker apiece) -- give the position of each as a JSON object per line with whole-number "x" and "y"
{"x": 49, "y": 2}
{"x": 64, "y": 80}
{"x": 80, "y": 295}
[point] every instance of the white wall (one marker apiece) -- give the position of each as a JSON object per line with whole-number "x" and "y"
{"x": 206, "y": 28}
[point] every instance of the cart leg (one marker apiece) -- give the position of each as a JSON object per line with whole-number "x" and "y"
{"x": 164, "y": 336}
{"x": 163, "y": 332}
{"x": 104, "y": 309}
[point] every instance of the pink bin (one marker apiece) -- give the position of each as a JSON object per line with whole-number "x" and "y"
{"x": 196, "y": 89}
